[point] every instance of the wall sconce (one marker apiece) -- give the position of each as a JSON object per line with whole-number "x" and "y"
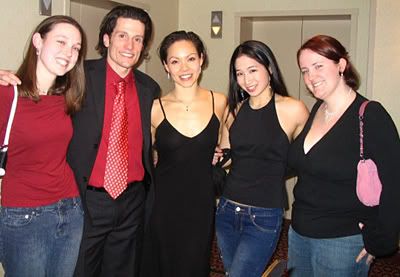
{"x": 216, "y": 24}
{"x": 45, "y": 7}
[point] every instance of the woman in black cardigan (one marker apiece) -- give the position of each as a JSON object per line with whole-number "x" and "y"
{"x": 332, "y": 232}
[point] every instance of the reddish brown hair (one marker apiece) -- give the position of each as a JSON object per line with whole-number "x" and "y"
{"x": 332, "y": 49}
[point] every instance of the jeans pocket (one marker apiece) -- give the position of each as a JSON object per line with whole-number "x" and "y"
{"x": 15, "y": 218}
{"x": 266, "y": 223}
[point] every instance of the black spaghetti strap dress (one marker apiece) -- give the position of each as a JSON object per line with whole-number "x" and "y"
{"x": 181, "y": 224}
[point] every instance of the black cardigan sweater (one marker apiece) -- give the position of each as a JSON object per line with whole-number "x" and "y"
{"x": 326, "y": 204}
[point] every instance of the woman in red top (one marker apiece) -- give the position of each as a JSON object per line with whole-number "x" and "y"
{"x": 41, "y": 215}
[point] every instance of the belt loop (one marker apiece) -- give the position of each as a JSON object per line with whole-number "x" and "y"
{"x": 249, "y": 210}
{"x": 224, "y": 202}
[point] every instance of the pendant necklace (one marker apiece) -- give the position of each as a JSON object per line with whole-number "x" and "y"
{"x": 186, "y": 105}
{"x": 329, "y": 115}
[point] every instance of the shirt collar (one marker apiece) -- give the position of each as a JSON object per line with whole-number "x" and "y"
{"x": 114, "y": 78}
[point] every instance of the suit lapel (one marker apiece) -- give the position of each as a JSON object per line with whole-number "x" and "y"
{"x": 141, "y": 92}
{"x": 97, "y": 84}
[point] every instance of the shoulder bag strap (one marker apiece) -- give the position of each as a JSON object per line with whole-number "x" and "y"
{"x": 361, "y": 118}
{"x": 4, "y": 147}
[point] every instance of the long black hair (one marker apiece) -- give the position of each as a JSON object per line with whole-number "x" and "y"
{"x": 261, "y": 53}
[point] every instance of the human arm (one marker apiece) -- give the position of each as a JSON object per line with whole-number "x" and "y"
{"x": 8, "y": 78}
{"x": 382, "y": 144}
{"x": 364, "y": 252}
{"x": 155, "y": 121}
{"x": 224, "y": 137}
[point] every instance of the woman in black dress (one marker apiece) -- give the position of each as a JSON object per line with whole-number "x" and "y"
{"x": 185, "y": 128}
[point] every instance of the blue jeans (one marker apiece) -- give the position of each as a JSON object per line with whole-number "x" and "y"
{"x": 41, "y": 241}
{"x": 325, "y": 257}
{"x": 246, "y": 236}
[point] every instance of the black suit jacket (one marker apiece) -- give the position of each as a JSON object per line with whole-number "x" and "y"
{"x": 88, "y": 123}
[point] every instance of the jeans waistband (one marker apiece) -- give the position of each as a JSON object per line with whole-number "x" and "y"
{"x": 64, "y": 203}
{"x": 247, "y": 209}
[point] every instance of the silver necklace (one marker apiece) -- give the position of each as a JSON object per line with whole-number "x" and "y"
{"x": 187, "y": 105}
{"x": 328, "y": 116}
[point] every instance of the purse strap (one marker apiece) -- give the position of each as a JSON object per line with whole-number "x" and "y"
{"x": 361, "y": 121}
{"x": 4, "y": 147}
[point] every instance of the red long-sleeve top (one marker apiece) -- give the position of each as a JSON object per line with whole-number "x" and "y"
{"x": 37, "y": 173}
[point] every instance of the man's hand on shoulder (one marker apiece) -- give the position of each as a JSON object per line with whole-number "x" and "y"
{"x": 8, "y": 78}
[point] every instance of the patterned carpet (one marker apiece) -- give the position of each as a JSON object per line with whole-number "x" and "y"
{"x": 382, "y": 267}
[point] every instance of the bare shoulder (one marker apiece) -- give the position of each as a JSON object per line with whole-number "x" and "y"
{"x": 292, "y": 106}
{"x": 292, "y": 114}
{"x": 220, "y": 101}
{"x": 156, "y": 113}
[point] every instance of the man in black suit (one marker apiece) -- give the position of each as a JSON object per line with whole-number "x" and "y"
{"x": 113, "y": 227}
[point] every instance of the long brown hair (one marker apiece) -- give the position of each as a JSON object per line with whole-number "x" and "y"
{"x": 71, "y": 84}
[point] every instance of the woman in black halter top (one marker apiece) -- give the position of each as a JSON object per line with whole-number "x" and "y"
{"x": 185, "y": 130}
{"x": 259, "y": 124}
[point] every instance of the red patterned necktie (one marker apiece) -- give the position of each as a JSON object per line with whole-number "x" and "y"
{"x": 116, "y": 174}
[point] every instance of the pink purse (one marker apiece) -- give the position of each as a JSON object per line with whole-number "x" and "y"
{"x": 369, "y": 186}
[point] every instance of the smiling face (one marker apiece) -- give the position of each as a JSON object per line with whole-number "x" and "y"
{"x": 58, "y": 50}
{"x": 183, "y": 63}
{"x": 124, "y": 45}
{"x": 252, "y": 76}
{"x": 321, "y": 75}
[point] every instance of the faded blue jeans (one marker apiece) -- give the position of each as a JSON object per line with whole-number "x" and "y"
{"x": 247, "y": 237}
{"x": 331, "y": 257}
{"x": 41, "y": 241}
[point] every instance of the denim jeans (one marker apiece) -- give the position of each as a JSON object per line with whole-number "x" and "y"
{"x": 41, "y": 241}
{"x": 325, "y": 257}
{"x": 246, "y": 236}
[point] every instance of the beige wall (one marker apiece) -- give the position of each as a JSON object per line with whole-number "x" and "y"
{"x": 220, "y": 49}
{"x": 17, "y": 20}
{"x": 165, "y": 16}
{"x": 377, "y": 71}
{"x": 384, "y": 67}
